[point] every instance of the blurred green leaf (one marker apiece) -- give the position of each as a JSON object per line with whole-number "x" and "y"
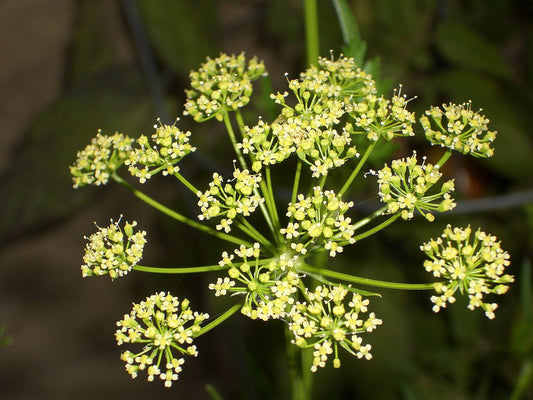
{"x": 38, "y": 185}
{"x": 466, "y": 48}
{"x": 5, "y": 339}
{"x": 177, "y": 31}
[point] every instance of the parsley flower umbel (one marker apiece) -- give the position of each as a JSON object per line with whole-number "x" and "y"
{"x": 404, "y": 184}
{"x": 113, "y": 250}
{"x": 328, "y": 319}
{"x": 474, "y": 264}
{"x": 220, "y": 85}
{"x": 99, "y": 160}
{"x": 163, "y": 328}
{"x": 378, "y": 117}
{"x": 269, "y": 285}
{"x": 459, "y": 128}
{"x": 230, "y": 200}
{"x": 318, "y": 221}
{"x": 167, "y": 147}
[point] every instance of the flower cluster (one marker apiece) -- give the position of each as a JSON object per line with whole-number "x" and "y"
{"x": 100, "y": 159}
{"x": 471, "y": 263}
{"x": 168, "y": 146}
{"x": 325, "y": 319}
{"x": 269, "y": 285}
{"x": 220, "y": 85}
{"x": 459, "y": 128}
{"x": 229, "y": 200}
{"x": 324, "y": 322}
{"x": 266, "y": 144}
{"x": 378, "y": 117}
{"x": 162, "y": 326}
{"x": 404, "y": 184}
{"x": 113, "y": 251}
{"x": 319, "y": 221}
{"x": 340, "y": 78}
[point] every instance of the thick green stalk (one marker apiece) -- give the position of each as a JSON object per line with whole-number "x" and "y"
{"x": 444, "y": 158}
{"x": 366, "y": 220}
{"x": 365, "y": 281}
{"x": 188, "y": 184}
{"x": 311, "y": 31}
{"x": 179, "y": 217}
{"x": 296, "y": 181}
{"x": 220, "y": 319}
{"x": 180, "y": 270}
{"x": 377, "y": 228}
{"x": 358, "y": 167}
{"x": 299, "y": 385}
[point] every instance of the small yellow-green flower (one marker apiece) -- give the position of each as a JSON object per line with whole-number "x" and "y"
{"x": 99, "y": 160}
{"x": 163, "y": 328}
{"x": 113, "y": 251}
{"x": 459, "y": 128}
{"x": 472, "y": 263}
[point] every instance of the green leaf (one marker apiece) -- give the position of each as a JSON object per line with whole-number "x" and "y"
{"x": 354, "y": 46}
{"x": 38, "y": 187}
{"x": 466, "y": 48}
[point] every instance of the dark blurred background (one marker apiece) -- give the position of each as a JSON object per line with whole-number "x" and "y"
{"x": 71, "y": 67}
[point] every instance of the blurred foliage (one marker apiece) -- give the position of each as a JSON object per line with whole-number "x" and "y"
{"x": 441, "y": 51}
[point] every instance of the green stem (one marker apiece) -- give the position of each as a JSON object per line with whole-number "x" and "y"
{"x": 298, "y": 384}
{"x": 357, "y": 168}
{"x": 188, "y": 184}
{"x": 444, "y": 158}
{"x": 366, "y": 220}
{"x": 524, "y": 380}
{"x": 242, "y": 162}
{"x": 365, "y": 281}
{"x": 181, "y": 270}
{"x": 271, "y": 199}
{"x": 240, "y": 120}
{"x": 179, "y": 217}
{"x": 220, "y": 319}
{"x": 296, "y": 181}
{"x": 233, "y": 138}
{"x": 311, "y": 31}
{"x": 377, "y": 228}
{"x": 249, "y": 229}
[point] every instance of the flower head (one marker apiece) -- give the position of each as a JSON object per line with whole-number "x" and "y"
{"x": 161, "y": 326}
{"x": 378, "y": 117}
{"x": 269, "y": 285}
{"x": 472, "y": 263}
{"x": 236, "y": 197}
{"x": 113, "y": 250}
{"x": 100, "y": 159}
{"x": 459, "y": 128}
{"x": 404, "y": 184}
{"x": 220, "y": 85}
{"x": 329, "y": 318}
{"x": 167, "y": 146}
{"x": 319, "y": 221}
